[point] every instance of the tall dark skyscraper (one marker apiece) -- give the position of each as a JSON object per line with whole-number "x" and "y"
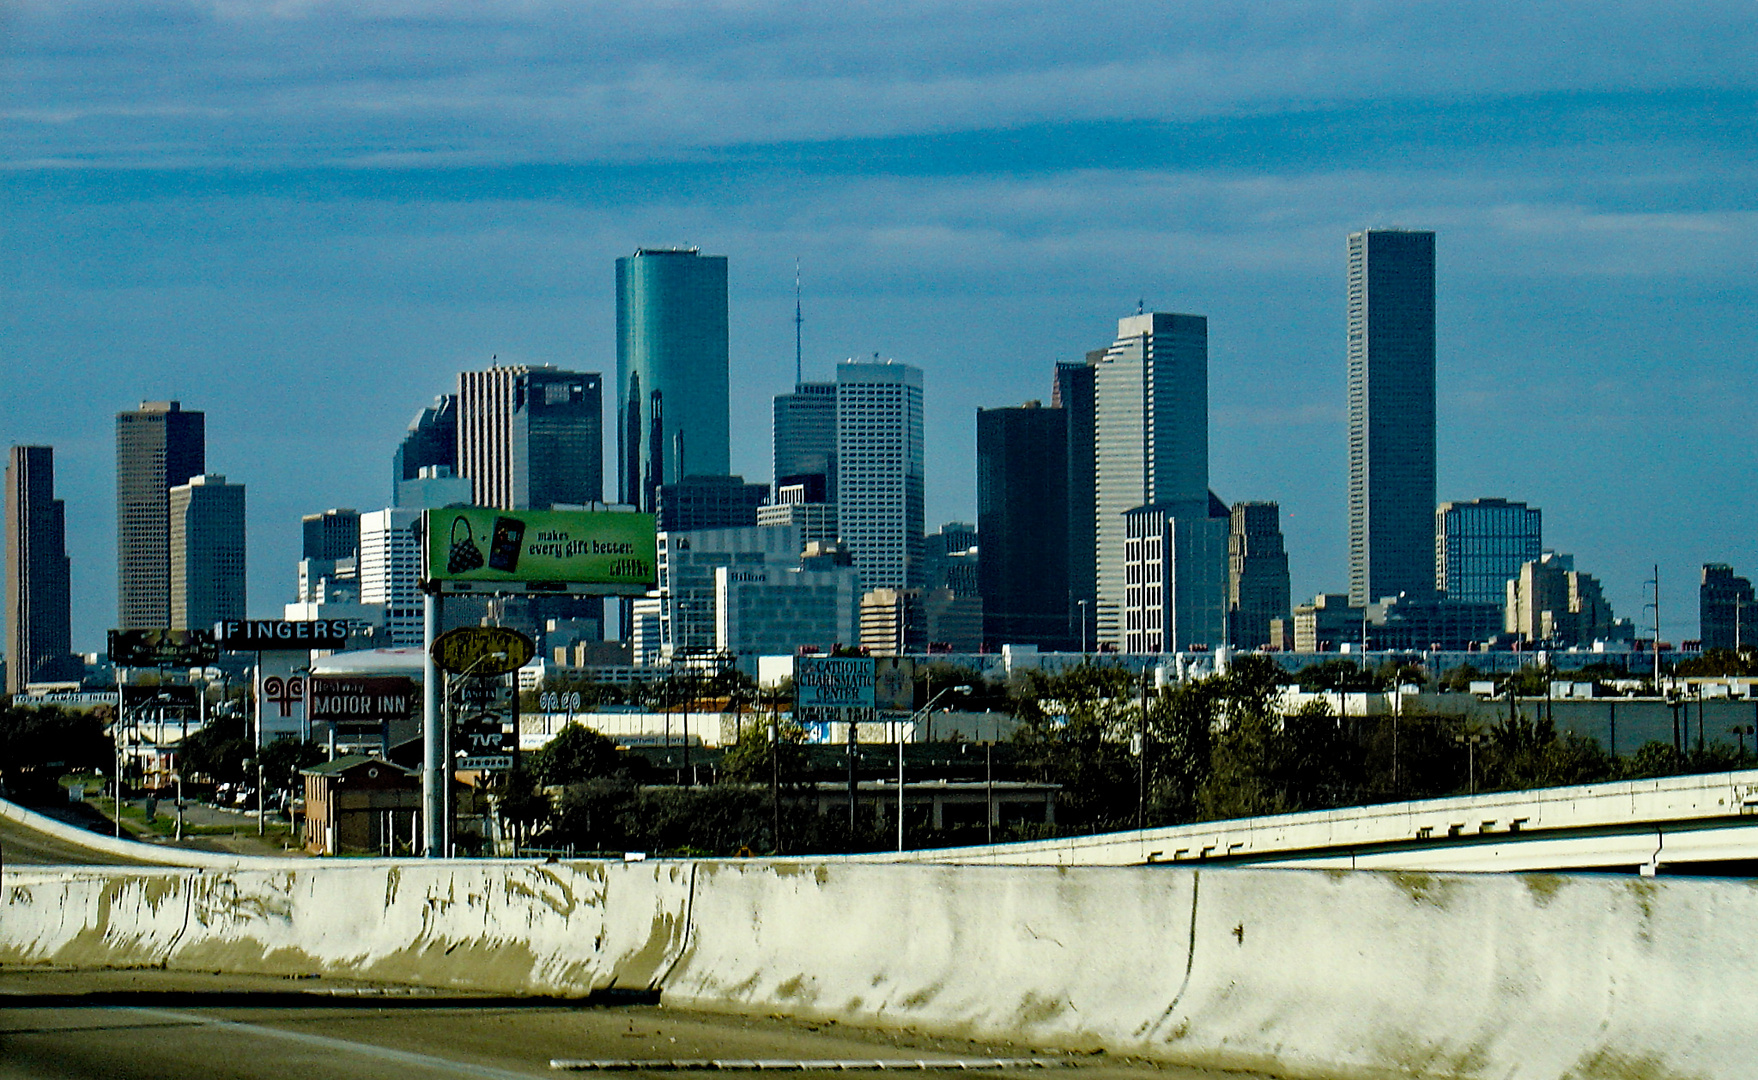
{"x": 531, "y": 437}
{"x": 38, "y": 608}
{"x": 1072, "y": 395}
{"x": 1391, "y": 414}
{"x": 207, "y": 552}
{"x": 1727, "y": 617}
{"x": 432, "y": 440}
{"x": 333, "y": 534}
{"x": 805, "y": 436}
{"x": 1022, "y": 500}
{"x": 1257, "y": 573}
{"x": 672, "y": 397}
{"x": 158, "y": 446}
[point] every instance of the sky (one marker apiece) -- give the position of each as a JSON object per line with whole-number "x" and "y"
{"x": 304, "y": 218}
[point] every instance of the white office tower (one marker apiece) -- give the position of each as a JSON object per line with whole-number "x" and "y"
{"x": 390, "y": 573}
{"x": 1151, "y": 449}
{"x": 771, "y": 611}
{"x": 815, "y": 520}
{"x": 687, "y": 562}
{"x": 879, "y": 470}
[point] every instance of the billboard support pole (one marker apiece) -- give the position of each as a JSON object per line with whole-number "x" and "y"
{"x": 433, "y": 736}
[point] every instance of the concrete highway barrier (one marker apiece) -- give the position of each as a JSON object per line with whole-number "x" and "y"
{"x": 1294, "y": 972}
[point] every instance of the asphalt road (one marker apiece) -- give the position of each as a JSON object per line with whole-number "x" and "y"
{"x": 20, "y": 846}
{"x": 155, "y": 1025}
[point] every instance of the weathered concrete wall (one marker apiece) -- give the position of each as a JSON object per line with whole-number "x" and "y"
{"x": 1322, "y": 974}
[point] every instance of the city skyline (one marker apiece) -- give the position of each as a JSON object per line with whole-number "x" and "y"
{"x": 311, "y": 274}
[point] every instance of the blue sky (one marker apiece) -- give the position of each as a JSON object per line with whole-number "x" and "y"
{"x": 305, "y": 218}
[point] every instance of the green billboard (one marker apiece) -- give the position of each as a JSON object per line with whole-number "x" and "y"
{"x": 583, "y": 552}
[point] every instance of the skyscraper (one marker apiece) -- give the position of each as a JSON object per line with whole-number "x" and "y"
{"x": 1727, "y": 617}
{"x": 1022, "y": 497}
{"x": 333, "y": 534}
{"x": 158, "y": 446}
{"x": 1073, "y": 395}
{"x": 1391, "y": 414}
{"x": 880, "y": 470}
{"x": 805, "y": 436}
{"x": 1480, "y": 546}
{"x": 671, "y": 371}
{"x": 38, "y": 609}
{"x": 432, "y": 440}
{"x": 1257, "y": 573}
{"x": 207, "y": 552}
{"x": 531, "y": 437}
{"x": 1151, "y": 449}
{"x": 390, "y": 572}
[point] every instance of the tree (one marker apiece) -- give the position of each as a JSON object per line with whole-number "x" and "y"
{"x": 748, "y": 761}
{"x": 575, "y": 754}
{"x": 37, "y": 746}
{"x": 1075, "y": 731}
{"x": 284, "y": 758}
{"x": 219, "y": 751}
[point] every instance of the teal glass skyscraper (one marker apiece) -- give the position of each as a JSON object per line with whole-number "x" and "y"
{"x": 1391, "y": 414}
{"x": 671, "y": 370}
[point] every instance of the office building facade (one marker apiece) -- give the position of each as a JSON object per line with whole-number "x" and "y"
{"x": 805, "y": 437}
{"x": 207, "y": 552}
{"x": 709, "y": 502}
{"x": 1550, "y": 601}
{"x": 672, "y": 395}
{"x": 1329, "y": 622}
{"x": 774, "y": 611}
{"x": 390, "y": 573}
{"x": 1257, "y": 574}
{"x": 39, "y": 614}
{"x": 1022, "y": 496}
{"x": 1391, "y": 413}
{"x": 1726, "y": 613}
{"x": 1151, "y": 449}
{"x": 1480, "y": 546}
{"x": 431, "y": 442}
{"x": 881, "y": 470}
{"x": 687, "y": 624}
{"x": 1073, "y": 394}
{"x": 1175, "y": 574}
{"x": 531, "y": 437}
{"x": 333, "y": 534}
{"x": 816, "y": 521}
{"x": 158, "y": 446}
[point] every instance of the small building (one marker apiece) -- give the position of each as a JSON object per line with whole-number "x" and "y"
{"x": 357, "y": 804}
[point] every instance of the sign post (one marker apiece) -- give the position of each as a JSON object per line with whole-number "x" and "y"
{"x": 481, "y": 551}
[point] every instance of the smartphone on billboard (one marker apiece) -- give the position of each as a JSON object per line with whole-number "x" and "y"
{"x": 503, "y": 547}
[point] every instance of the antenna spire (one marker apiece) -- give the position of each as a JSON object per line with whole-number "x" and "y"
{"x": 799, "y": 370}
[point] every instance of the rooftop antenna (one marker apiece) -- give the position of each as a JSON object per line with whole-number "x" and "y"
{"x": 1140, "y": 304}
{"x": 799, "y": 371}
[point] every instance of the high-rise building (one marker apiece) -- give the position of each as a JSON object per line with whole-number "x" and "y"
{"x": 1479, "y": 546}
{"x": 1328, "y": 622}
{"x": 1022, "y": 498}
{"x": 432, "y": 441}
{"x": 1151, "y": 449}
{"x": 1073, "y": 394}
{"x": 333, "y": 534}
{"x": 687, "y": 562}
{"x": 805, "y": 437}
{"x": 1727, "y": 617}
{"x": 672, "y": 398}
{"x": 390, "y": 573}
{"x": 880, "y": 470}
{"x": 531, "y": 437}
{"x": 815, "y": 520}
{"x": 1175, "y": 573}
{"x": 1549, "y": 600}
{"x": 1391, "y": 413}
{"x": 158, "y": 446}
{"x": 708, "y": 502}
{"x": 207, "y": 552}
{"x": 38, "y": 606}
{"x": 772, "y": 611}
{"x": 1257, "y": 574}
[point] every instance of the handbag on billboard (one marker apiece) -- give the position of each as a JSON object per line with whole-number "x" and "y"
{"x": 465, "y": 556}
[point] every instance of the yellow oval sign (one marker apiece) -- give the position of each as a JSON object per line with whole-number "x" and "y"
{"x": 482, "y": 650}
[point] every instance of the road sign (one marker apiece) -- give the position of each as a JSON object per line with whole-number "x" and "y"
{"x": 486, "y": 763}
{"x": 483, "y": 739}
{"x": 482, "y": 650}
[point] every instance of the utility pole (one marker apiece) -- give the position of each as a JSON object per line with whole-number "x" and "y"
{"x": 1141, "y": 799}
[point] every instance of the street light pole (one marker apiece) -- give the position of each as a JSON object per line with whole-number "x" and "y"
{"x": 1083, "y": 626}
{"x": 919, "y": 712}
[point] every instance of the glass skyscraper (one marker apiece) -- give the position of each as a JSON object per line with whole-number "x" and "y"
{"x": 158, "y": 447}
{"x": 671, "y": 370}
{"x": 1391, "y": 414}
{"x": 1480, "y": 546}
{"x": 531, "y": 437}
{"x": 880, "y": 469}
{"x": 805, "y": 436}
